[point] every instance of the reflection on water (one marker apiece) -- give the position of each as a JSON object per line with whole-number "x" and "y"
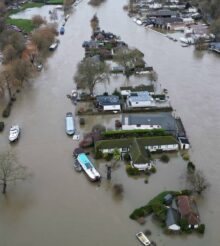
{"x": 60, "y": 205}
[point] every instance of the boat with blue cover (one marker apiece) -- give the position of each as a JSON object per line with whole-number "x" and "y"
{"x": 87, "y": 165}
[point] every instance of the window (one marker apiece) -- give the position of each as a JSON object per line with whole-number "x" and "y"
{"x": 138, "y": 125}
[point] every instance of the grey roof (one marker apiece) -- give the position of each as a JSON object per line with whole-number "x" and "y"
{"x": 108, "y": 100}
{"x": 172, "y": 217}
{"x": 162, "y": 12}
{"x": 165, "y": 120}
{"x": 140, "y": 96}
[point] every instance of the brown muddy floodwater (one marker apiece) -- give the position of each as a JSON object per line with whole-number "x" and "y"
{"x": 61, "y": 207}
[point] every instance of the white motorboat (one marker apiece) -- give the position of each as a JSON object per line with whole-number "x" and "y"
{"x": 14, "y": 133}
{"x": 143, "y": 239}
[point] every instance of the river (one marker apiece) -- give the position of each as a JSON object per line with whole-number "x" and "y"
{"x": 58, "y": 206}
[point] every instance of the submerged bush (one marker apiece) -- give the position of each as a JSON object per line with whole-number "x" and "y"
{"x": 2, "y": 125}
{"x": 165, "y": 158}
{"x": 132, "y": 171}
{"x": 191, "y": 167}
{"x": 6, "y": 112}
{"x": 153, "y": 169}
{"x": 201, "y": 229}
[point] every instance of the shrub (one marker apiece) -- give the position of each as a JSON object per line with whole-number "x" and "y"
{"x": 165, "y": 158}
{"x": 118, "y": 189}
{"x": 191, "y": 167}
{"x": 153, "y": 169}
{"x": 127, "y": 157}
{"x": 117, "y": 93}
{"x": 184, "y": 225}
{"x": 201, "y": 229}
{"x": 6, "y": 112}
{"x": 2, "y": 125}
{"x": 146, "y": 181}
{"x": 98, "y": 155}
{"x": 185, "y": 156}
{"x": 108, "y": 156}
{"x": 132, "y": 171}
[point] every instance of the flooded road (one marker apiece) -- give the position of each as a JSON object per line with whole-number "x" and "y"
{"x": 61, "y": 207}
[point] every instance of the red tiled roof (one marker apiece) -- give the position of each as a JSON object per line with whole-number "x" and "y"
{"x": 187, "y": 209}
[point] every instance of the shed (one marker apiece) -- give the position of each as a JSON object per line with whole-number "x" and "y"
{"x": 172, "y": 219}
{"x": 168, "y": 199}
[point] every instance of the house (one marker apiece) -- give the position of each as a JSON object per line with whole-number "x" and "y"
{"x": 108, "y": 103}
{"x": 172, "y": 219}
{"x": 127, "y": 90}
{"x": 138, "y": 148}
{"x": 184, "y": 143}
{"x": 188, "y": 210}
{"x": 140, "y": 99}
{"x": 151, "y": 121}
{"x": 161, "y": 13}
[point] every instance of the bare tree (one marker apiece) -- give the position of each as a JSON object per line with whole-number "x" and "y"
{"x": 67, "y": 5}
{"x": 7, "y": 81}
{"x": 10, "y": 171}
{"x": 129, "y": 59}
{"x": 21, "y": 70}
{"x": 197, "y": 181}
{"x": 94, "y": 22}
{"x": 37, "y": 20}
{"x": 44, "y": 37}
{"x": 9, "y": 53}
{"x": 90, "y": 72}
{"x": 13, "y": 38}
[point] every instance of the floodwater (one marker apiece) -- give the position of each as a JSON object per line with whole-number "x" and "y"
{"x": 61, "y": 207}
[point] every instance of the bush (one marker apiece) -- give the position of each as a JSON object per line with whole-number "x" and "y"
{"x": 132, "y": 171}
{"x": 146, "y": 181}
{"x": 185, "y": 156}
{"x": 165, "y": 158}
{"x": 191, "y": 167}
{"x": 201, "y": 229}
{"x": 117, "y": 93}
{"x": 108, "y": 156}
{"x": 118, "y": 189}
{"x": 153, "y": 169}
{"x": 98, "y": 155}
{"x": 6, "y": 112}
{"x": 2, "y": 125}
{"x": 82, "y": 121}
{"x": 127, "y": 157}
{"x": 184, "y": 225}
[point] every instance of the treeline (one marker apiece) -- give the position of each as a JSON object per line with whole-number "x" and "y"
{"x": 211, "y": 12}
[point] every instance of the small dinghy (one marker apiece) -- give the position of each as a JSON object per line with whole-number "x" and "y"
{"x": 14, "y": 133}
{"x": 142, "y": 238}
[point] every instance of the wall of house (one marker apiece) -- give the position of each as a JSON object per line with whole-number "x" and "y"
{"x": 140, "y": 104}
{"x": 168, "y": 147}
{"x": 111, "y": 107}
{"x": 142, "y": 127}
{"x": 142, "y": 166}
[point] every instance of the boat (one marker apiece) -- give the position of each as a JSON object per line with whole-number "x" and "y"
{"x": 70, "y": 128}
{"x": 62, "y": 30}
{"x": 86, "y": 165}
{"x": 14, "y": 133}
{"x": 53, "y": 46}
{"x": 142, "y": 238}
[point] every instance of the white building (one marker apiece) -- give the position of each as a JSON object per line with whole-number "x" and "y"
{"x": 140, "y": 99}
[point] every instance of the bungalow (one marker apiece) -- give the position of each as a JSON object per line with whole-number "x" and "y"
{"x": 188, "y": 211}
{"x": 172, "y": 219}
{"x": 150, "y": 121}
{"x": 140, "y": 99}
{"x": 108, "y": 103}
{"x": 138, "y": 148}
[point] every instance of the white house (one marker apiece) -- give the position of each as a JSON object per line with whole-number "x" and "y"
{"x": 108, "y": 103}
{"x": 184, "y": 143}
{"x": 140, "y": 99}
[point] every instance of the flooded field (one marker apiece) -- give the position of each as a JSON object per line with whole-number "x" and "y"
{"x": 61, "y": 207}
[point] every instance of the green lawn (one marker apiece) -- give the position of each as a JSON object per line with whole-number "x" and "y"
{"x": 26, "y": 6}
{"x": 55, "y": 2}
{"x": 25, "y": 25}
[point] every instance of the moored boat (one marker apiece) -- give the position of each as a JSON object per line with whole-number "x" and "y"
{"x": 14, "y": 133}
{"x": 70, "y": 128}
{"x": 86, "y": 165}
{"x": 143, "y": 239}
